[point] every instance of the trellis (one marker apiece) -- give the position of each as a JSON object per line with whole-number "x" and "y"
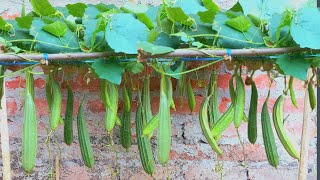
{"x": 190, "y": 54}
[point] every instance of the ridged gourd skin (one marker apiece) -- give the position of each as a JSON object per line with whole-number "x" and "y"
{"x": 204, "y": 124}
{"x": 223, "y": 123}
{"x": 125, "y": 129}
{"x": 30, "y": 134}
{"x": 213, "y": 110}
{"x": 144, "y": 145}
{"x": 151, "y": 126}
{"x": 252, "y": 119}
{"x": 312, "y": 96}
{"x": 112, "y": 113}
{"x": 191, "y": 97}
{"x": 146, "y": 102}
{"x": 56, "y": 106}
{"x": 68, "y": 120}
{"x": 292, "y": 95}
{"x": 84, "y": 139}
{"x": 164, "y": 131}
{"x": 279, "y": 126}
{"x": 268, "y": 137}
{"x": 49, "y": 80}
{"x": 239, "y": 102}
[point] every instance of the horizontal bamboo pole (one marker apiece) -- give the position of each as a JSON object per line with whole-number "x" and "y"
{"x": 177, "y": 53}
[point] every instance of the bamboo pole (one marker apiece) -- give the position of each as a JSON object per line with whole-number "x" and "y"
{"x": 305, "y": 137}
{"x": 177, "y": 53}
{"x": 5, "y": 138}
{"x": 57, "y": 164}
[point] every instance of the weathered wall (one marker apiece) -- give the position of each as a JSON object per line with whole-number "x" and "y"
{"x": 191, "y": 157}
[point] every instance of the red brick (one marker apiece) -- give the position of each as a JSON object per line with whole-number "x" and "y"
{"x": 262, "y": 81}
{"x": 298, "y": 84}
{"x": 95, "y": 106}
{"x": 15, "y": 83}
{"x": 41, "y": 106}
{"x": 223, "y": 81}
{"x": 187, "y": 156}
{"x": 224, "y": 104}
{"x": 290, "y": 108}
{"x": 287, "y": 106}
{"x": 253, "y": 152}
{"x": 12, "y": 106}
{"x": 39, "y": 83}
{"x": 5, "y": 15}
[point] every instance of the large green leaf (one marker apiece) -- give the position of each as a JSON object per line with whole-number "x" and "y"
{"x": 177, "y": 15}
{"x": 264, "y": 8}
{"x": 109, "y": 70}
{"x": 4, "y": 26}
{"x": 279, "y": 29}
{"x": 294, "y": 66}
{"x": 153, "y": 49}
{"x": 164, "y": 39}
{"x": 305, "y": 28}
{"x": 189, "y": 6}
{"x": 48, "y": 43}
{"x": 124, "y": 31}
{"x": 135, "y": 67}
{"x": 57, "y": 28}
{"x": 94, "y": 34}
{"x": 42, "y": 7}
{"x": 208, "y": 16}
{"x": 240, "y": 23}
{"x": 25, "y": 21}
{"x": 76, "y": 10}
{"x": 231, "y": 38}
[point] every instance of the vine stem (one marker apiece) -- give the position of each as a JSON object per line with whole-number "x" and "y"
{"x": 42, "y": 42}
{"x": 185, "y": 72}
{"x": 226, "y": 37}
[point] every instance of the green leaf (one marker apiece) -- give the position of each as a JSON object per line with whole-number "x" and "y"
{"x": 42, "y": 7}
{"x": 135, "y": 67}
{"x": 210, "y": 5}
{"x": 305, "y": 28}
{"x": 231, "y": 38}
{"x": 94, "y": 34}
{"x": 295, "y": 66}
{"x": 240, "y": 23}
{"x": 164, "y": 39}
{"x": 177, "y": 15}
{"x": 145, "y": 20}
{"x": 189, "y": 6}
{"x": 279, "y": 28}
{"x": 4, "y": 26}
{"x": 153, "y": 49}
{"x": 236, "y": 8}
{"x": 109, "y": 70}
{"x": 176, "y": 68}
{"x": 207, "y": 16}
{"x": 50, "y": 43}
{"x": 76, "y": 10}
{"x": 124, "y": 31}
{"x": 57, "y": 28}
{"x": 24, "y": 22}
{"x": 264, "y": 9}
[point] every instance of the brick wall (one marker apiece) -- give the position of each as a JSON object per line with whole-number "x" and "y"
{"x": 191, "y": 157}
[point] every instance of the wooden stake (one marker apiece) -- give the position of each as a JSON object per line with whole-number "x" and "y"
{"x": 305, "y": 137}
{"x": 5, "y": 138}
{"x": 57, "y": 168}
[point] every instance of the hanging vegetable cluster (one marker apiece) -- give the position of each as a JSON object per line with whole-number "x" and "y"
{"x": 158, "y": 30}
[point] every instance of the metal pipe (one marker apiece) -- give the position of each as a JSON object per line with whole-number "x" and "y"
{"x": 177, "y": 53}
